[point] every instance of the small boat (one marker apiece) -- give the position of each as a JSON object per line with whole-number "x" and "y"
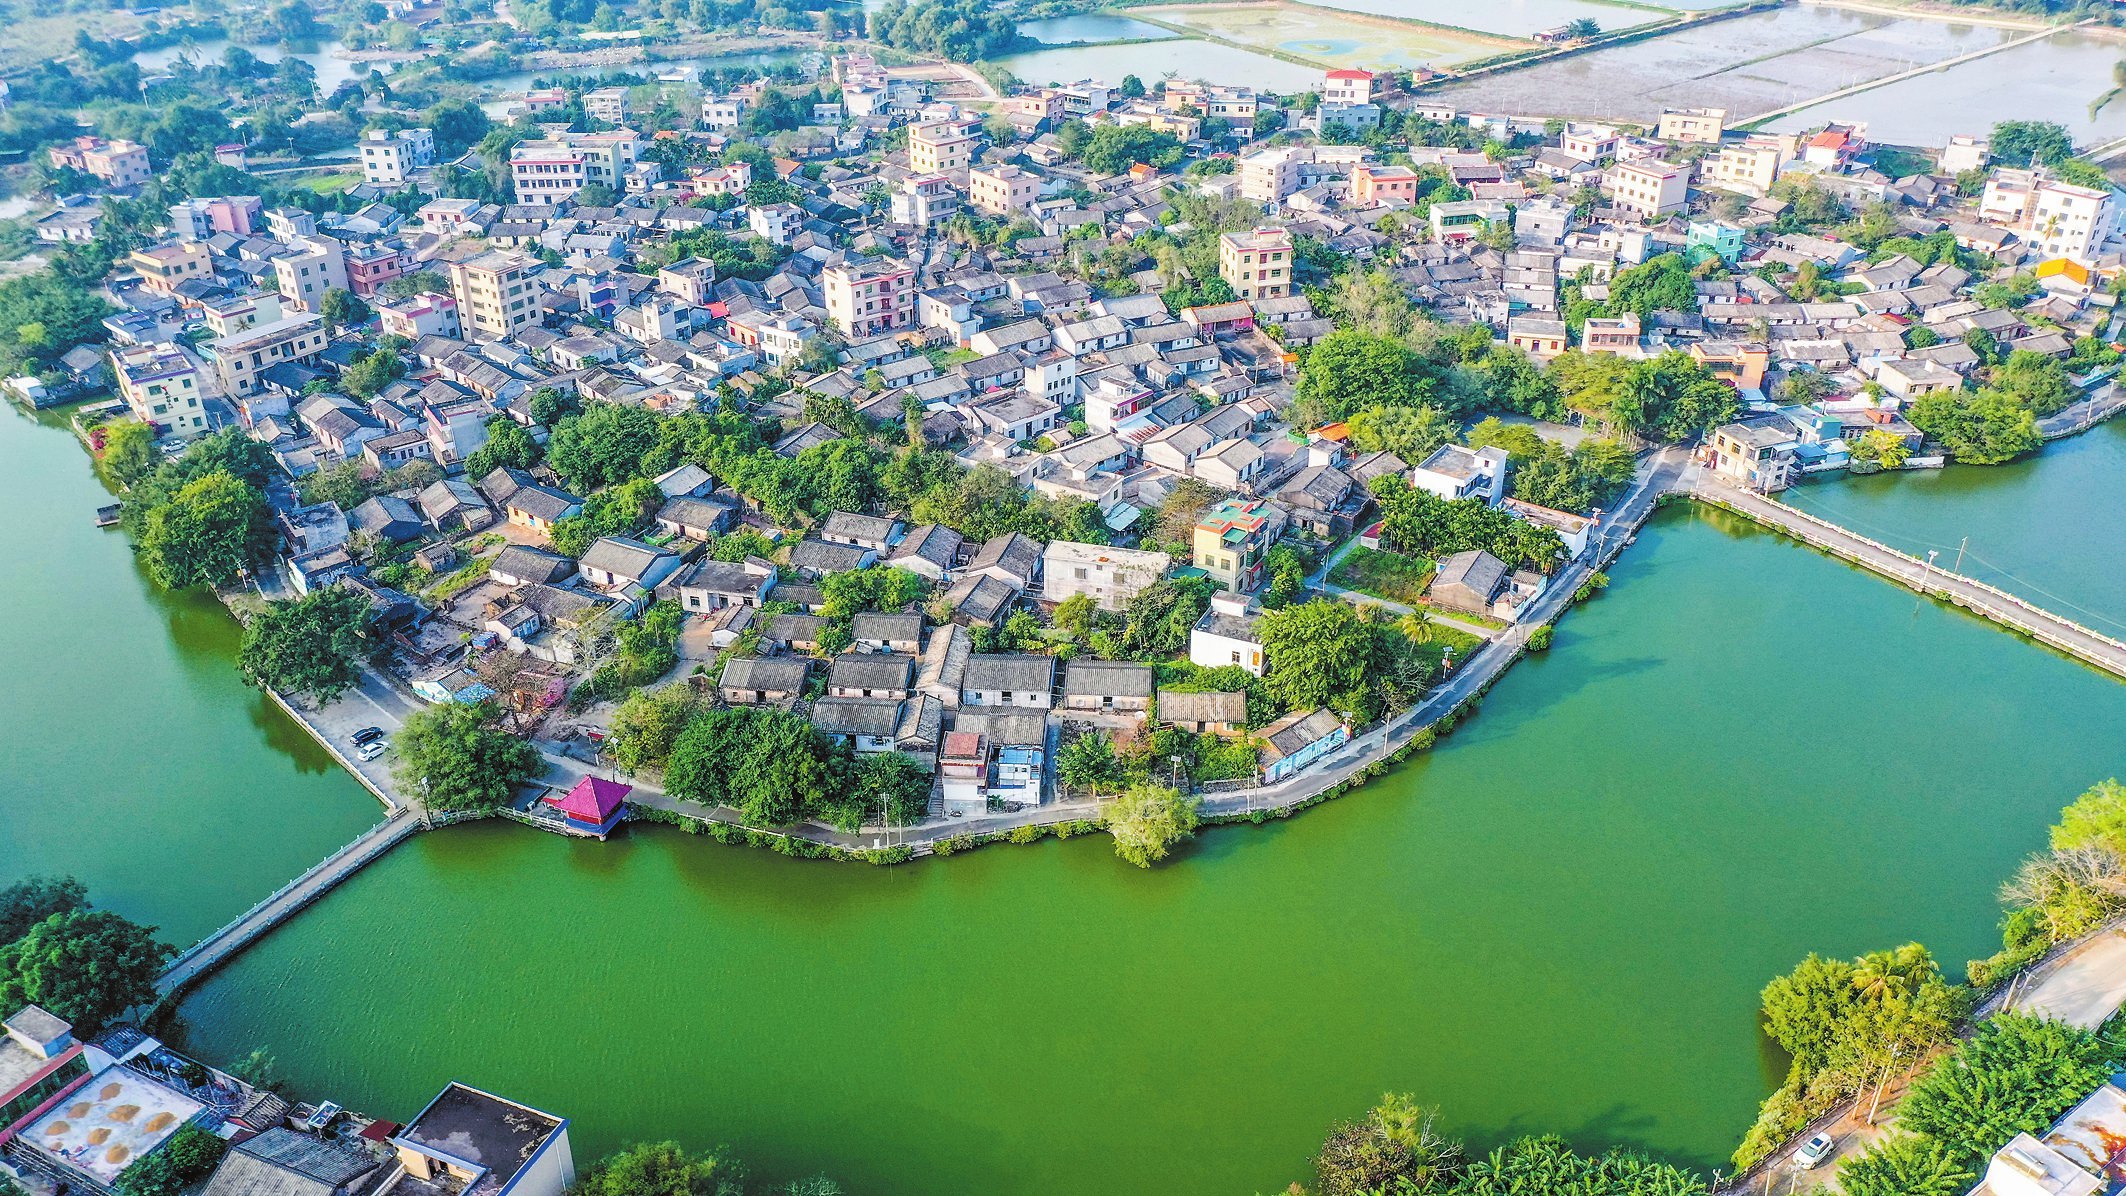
{"x": 107, "y": 516}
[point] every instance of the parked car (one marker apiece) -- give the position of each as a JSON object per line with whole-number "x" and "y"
{"x": 366, "y": 735}
{"x": 373, "y": 749}
{"x": 1814, "y": 1151}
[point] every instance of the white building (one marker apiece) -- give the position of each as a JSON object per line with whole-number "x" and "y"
{"x": 389, "y": 159}
{"x": 1453, "y": 471}
{"x": 1225, "y": 635}
{"x": 1111, "y": 576}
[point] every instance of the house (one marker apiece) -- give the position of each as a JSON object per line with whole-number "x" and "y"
{"x": 963, "y": 772}
{"x": 817, "y": 558}
{"x": 1297, "y": 740}
{"x": 453, "y": 505}
{"x": 1471, "y": 581}
{"x": 618, "y": 563}
{"x": 875, "y": 632}
{"x": 875, "y": 532}
{"x": 1231, "y": 541}
{"x": 1453, "y": 471}
{"x": 1012, "y": 559}
{"x": 1759, "y": 454}
{"x": 797, "y": 633}
{"x": 518, "y": 565}
{"x": 1204, "y": 713}
{"x": 1025, "y": 681}
{"x": 929, "y": 551}
{"x": 1225, "y": 636}
{"x": 870, "y": 725}
{"x": 284, "y": 1162}
{"x": 871, "y": 675}
{"x": 695, "y": 518}
{"x": 710, "y": 585}
{"x": 754, "y": 680}
{"x": 476, "y": 1141}
{"x": 1112, "y": 576}
{"x": 1107, "y": 686}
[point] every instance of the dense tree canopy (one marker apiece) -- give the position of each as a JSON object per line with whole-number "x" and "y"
{"x": 1147, "y": 821}
{"x": 314, "y": 644}
{"x": 33, "y": 899}
{"x": 208, "y": 533}
{"x": 454, "y": 758}
{"x": 86, "y": 966}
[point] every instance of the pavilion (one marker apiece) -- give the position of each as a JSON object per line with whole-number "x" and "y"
{"x": 594, "y": 807}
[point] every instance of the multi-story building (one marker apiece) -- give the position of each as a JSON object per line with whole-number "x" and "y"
{"x": 924, "y": 200}
{"x": 1701, "y": 125}
{"x": 312, "y": 266}
{"x": 1267, "y": 176}
{"x": 1649, "y": 190}
{"x": 227, "y": 317}
{"x": 942, "y": 145}
{"x": 120, "y": 163}
{"x": 1372, "y": 184}
{"x": 199, "y": 219}
{"x": 1965, "y": 152}
{"x": 1749, "y": 166}
{"x": 1232, "y": 539}
{"x": 1347, "y": 87}
{"x": 775, "y": 223}
{"x": 448, "y": 217}
{"x": 416, "y": 316}
{"x": 723, "y": 113}
{"x": 692, "y": 281}
{"x": 553, "y": 170}
{"x": 732, "y": 178}
{"x": 163, "y": 384}
{"x": 1589, "y": 143}
{"x": 1258, "y": 264}
{"x": 389, "y": 159}
{"x": 870, "y": 297}
{"x": 1111, "y": 576}
{"x": 2058, "y": 219}
{"x": 372, "y": 265}
{"x": 163, "y": 267}
{"x": 608, "y": 104}
{"x": 239, "y": 360}
{"x": 782, "y": 339}
{"x": 1454, "y": 472}
{"x": 1003, "y": 190}
{"x": 1461, "y": 219}
{"x": 1236, "y": 104}
{"x": 495, "y": 294}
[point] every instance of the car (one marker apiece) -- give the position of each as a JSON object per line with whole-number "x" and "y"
{"x": 373, "y": 749}
{"x": 1814, "y": 1151}
{"x": 366, "y": 735}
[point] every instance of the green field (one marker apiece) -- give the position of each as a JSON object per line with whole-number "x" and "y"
{"x": 1389, "y": 575}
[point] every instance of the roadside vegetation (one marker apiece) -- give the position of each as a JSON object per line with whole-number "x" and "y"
{"x": 84, "y": 965}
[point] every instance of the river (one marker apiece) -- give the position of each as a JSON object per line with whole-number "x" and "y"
{"x": 326, "y": 58}
{"x": 1558, "y": 920}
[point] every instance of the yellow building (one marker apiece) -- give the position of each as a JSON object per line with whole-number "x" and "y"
{"x": 495, "y": 294}
{"x": 163, "y": 385}
{"x": 1258, "y": 264}
{"x": 164, "y": 266}
{"x": 1232, "y": 539}
{"x": 941, "y": 145}
{"x": 240, "y": 359}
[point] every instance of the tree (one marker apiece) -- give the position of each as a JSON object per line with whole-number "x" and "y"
{"x": 455, "y": 758}
{"x": 2022, "y": 142}
{"x": 33, "y": 899}
{"x": 1904, "y": 1165}
{"x": 128, "y": 450}
{"x": 2016, "y": 1075}
{"x": 1396, "y": 1146}
{"x": 314, "y": 644}
{"x": 769, "y": 765}
{"x": 1879, "y": 448}
{"x": 1985, "y": 428}
{"x": 1411, "y": 433}
{"x": 1350, "y": 371}
{"x": 342, "y": 309}
{"x": 1582, "y": 28}
{"x": 1132, "y": 88}
{"x": 648, "y": 723}
{"x": 190, "y": 1155}
{"x": 1147, "y": 820}
{"x": 1321, "y": 653}
{"x": 892, "y": 786}
{"x": 659, "y": 1169}
{"x": 458, "y": 125}
{"x": 207, "y": 534}
{"x": 2095, "y": 819}
{"x": 85, "y": 966}
{"x": 509, "y": 445}
{"x": 602, "y": 446}
{"x": 1088, "y": 763}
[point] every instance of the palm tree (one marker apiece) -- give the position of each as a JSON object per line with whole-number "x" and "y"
{"x": 1418, "y": 625}
{"x": 1882, "y": 976}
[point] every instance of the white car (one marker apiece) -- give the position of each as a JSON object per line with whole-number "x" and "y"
{"x": 373, "y": 749}
{"x": 1814, "y": 1151}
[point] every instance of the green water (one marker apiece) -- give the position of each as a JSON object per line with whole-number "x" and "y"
{"x": 1557, "y": 921}
{"x": 135, "y": 756}
{"x": 2046, "y": 527}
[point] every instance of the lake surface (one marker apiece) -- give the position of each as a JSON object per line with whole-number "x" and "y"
{"x": 1747, "y": 64}
{"x": 1558, "y": 920}
{"x": 760, "y": 60}
{"x": 137, "y": 759}
{"x": 2045, "y": 527}
{"x": 323, "y": 57}
{"x": 1090, "y": 28}
{"x": 2056, "y": 79}
{"x": 1186, "y": 57}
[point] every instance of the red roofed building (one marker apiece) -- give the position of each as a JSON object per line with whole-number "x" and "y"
{"x": 595, "y": 806}
{"x": 1347, "y": 87}
{"x": 1830, "y": 148}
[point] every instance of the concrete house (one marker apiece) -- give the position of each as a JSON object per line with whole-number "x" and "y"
{"x": 1225, "y": 636}
{"x": 1297, "y": 740}
{"x": 707, "y": 586}
{"x": 1112, "y": 576}
{"x": 871, "y": 675}
{"x": 617, "y": 562}
{"x": 1453, "y": 471}
{"x": 1204, "y": 713}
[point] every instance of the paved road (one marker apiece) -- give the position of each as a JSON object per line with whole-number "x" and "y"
{"x": 1976, "y": 596}
{"x": 2085, "y": 990}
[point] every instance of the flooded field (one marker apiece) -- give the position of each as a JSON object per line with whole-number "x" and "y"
{"x": 1332, "y": 39}
{"x": 1514, "y": 18}
{"x": 1186, "y": 57}
{"x": 1090, "y": 28}
{"x": 1747, "y": 65}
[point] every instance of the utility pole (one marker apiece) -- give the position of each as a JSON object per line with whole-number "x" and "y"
{"x": 1960, "y": 546}
{"x": 1927, "y": 569}
{"x": 1895, "y": 1050}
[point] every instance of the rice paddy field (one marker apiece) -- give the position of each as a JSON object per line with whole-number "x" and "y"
{"x": 1516, "y": 18}
{"x": 1333, "y": 39}
{"x": 1747, "y": 65}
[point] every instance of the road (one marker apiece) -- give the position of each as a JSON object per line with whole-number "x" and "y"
{"x": 2085, "y": 989}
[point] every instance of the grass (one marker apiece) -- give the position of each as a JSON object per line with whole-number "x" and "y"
{"x": 1389, "y": 575}
{"x": 458, "y": 581}
{"x": 332, "y": 182}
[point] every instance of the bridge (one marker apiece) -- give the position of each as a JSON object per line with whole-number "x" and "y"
{"x": 215, "y": 949}
{"x": 1988, "y": 602}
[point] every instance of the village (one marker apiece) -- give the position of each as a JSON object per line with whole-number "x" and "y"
{"x": 966, "y": 436}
